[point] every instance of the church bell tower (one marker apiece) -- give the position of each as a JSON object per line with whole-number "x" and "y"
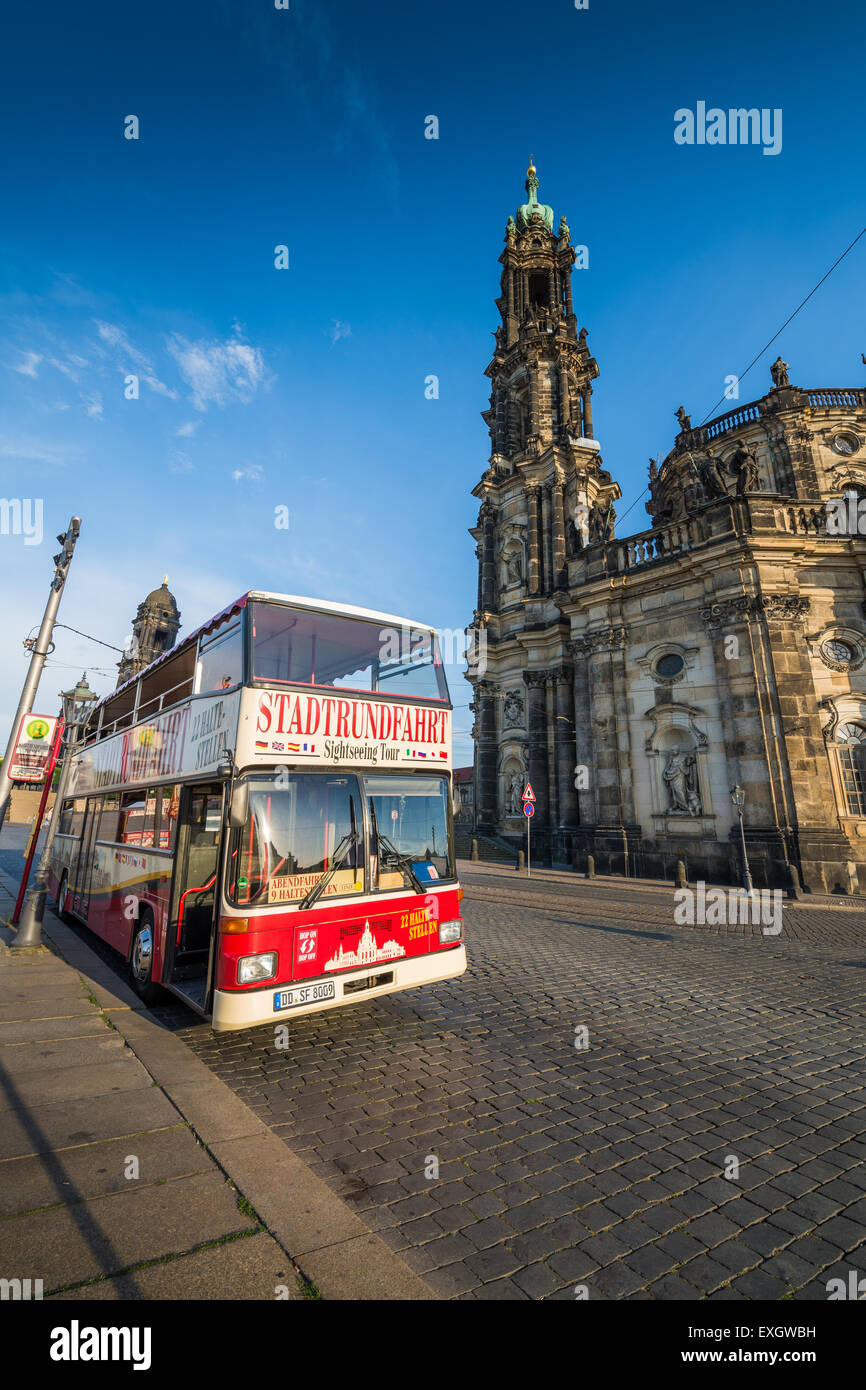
{"x": 543, "y": 497}
{"x": 153, "y": 632}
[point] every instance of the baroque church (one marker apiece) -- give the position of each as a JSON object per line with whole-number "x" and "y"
{"x": 636, "y": 681}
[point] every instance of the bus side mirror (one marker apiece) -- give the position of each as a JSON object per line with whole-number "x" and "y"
{"x": 239, "y": 806}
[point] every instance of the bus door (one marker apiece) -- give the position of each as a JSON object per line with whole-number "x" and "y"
{"x": 84, "y": 868}
{"x": 195, "y": 890}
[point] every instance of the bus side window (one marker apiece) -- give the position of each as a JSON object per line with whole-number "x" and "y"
{"x": 65, "y": 826}
{"x": 109, "y": 821}
{"x": 137, "y": 817}
{"x": 220, "y": 663}
{"x": 151, "y": 802}
{"x": 169, "y": 798}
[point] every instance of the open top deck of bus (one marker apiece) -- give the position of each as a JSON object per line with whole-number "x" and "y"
{"x": 172, "y": 677}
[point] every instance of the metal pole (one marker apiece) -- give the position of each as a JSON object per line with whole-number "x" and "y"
{"x": 30, "y": 926}
{"x": 528, "y": 857}
{"x": 747, "y": 877}
{"x": 43, "y": 802}
{"x": 41, "y": 648}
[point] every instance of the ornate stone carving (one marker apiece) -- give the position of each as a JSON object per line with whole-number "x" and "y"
{"x": 602, "y": 640}
{"x": 512, "y": 710}
{"x": 536, "y": 678}
{"x": 790, "y": 608}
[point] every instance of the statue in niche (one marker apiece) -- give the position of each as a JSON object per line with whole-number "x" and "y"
{"x": 779, "y": 373}
{"x": 513, "y": 568}
{"x": 512, "y": 710}
{"x": 515, "y": 794}
{"x": 681, "y": 776}
{"x": 745, "y": 466}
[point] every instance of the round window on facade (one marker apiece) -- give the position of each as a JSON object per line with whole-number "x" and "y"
{"x": 669, "y": 665}
{"x": 837, "y": 650}
{"x": 846, "y": 443}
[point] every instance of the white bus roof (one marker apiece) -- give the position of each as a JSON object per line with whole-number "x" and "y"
{"x": 322, "y": 605}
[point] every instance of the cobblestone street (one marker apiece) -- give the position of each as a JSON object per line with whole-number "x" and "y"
{"x": 603, "y": 1166}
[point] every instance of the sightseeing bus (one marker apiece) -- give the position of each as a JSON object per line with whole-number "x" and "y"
{"x": 260, "y": 821}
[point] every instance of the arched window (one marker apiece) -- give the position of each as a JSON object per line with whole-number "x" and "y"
{"x": 852, "y": 762}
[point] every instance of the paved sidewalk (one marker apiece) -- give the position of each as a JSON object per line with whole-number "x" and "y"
{"x": 129, "y": 1171}
{"x": 615, "y": 883}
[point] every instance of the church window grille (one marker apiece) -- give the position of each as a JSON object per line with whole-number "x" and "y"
{"x": 852, "y": 762}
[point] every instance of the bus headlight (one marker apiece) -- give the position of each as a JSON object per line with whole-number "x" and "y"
{"x": 252, "y": 968}
{"x": 450, "y": 931}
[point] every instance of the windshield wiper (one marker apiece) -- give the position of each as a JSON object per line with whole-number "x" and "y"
{"x": 402, "y": 861}
{"x": 336, "y": 860}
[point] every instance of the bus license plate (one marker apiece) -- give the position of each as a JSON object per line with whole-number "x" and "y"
{"x": 304, "y": 994}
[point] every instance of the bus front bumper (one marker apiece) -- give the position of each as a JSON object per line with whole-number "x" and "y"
{"x": 251, "y": 1008}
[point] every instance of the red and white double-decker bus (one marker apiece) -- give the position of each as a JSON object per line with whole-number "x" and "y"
{"x": 261, "y": 819}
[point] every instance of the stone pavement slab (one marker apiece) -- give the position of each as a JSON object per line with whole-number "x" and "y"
{"x": 94, "y": 1170}
{"x": 67, "y": 1245}
{"x": 255, "y": 1267}
{"x": 18, "y": 1059}
{"x": 30, "y": 1089}
{"x": 45, "y": 1128}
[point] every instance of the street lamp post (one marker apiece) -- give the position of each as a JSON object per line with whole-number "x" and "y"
{"x": 738, "y": 796}
{"x": 76, "y": 704}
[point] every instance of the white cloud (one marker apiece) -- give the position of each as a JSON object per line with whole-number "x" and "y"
{"x": 93, "y": 405}
{"x": 34, "y": 451}
{"x": 252, "y": 472}
{"x": 218, "y": 372}
{"x": 187, "y": 429}
{"x": 65, "y": 368}
{"x": 181, "y": 463}
{"x": 29, "y": 365}
{"x": 117, "y": 338}
{"x": 340, "y": 330}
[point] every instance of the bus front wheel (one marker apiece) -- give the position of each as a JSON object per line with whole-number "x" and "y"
{"x": 141, "y": 960}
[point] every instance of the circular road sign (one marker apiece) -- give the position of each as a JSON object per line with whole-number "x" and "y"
{"x": 529, "y": 809}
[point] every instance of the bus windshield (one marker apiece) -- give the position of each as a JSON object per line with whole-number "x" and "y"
{"x": 301, "y": 826}
{"x": 410, "y": 819}
{"x": 295, "y": 827}
{"x": 293, "y": 646}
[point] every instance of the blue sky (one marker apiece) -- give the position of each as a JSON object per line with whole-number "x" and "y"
{"x": 305, "y": 387}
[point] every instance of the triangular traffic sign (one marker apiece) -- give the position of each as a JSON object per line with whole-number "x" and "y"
{"x": 529, "y": 794}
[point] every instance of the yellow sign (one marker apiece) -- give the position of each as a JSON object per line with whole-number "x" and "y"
{"x": 292, "y": 887}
